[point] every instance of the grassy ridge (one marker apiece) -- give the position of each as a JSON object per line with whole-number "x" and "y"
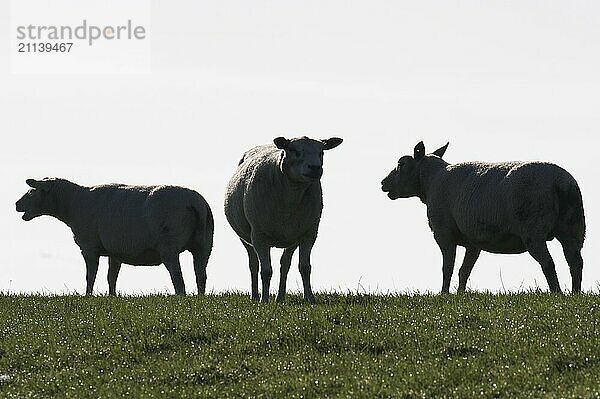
{"x": 474, "y": 345}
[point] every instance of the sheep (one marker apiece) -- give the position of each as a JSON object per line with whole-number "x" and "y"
{"x": 274, "y": 199}
{"x": 136, "y": 225}
{"x": 505, "y": 208}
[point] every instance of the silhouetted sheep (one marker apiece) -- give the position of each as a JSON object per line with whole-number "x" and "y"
{"x": 507, "y": 208}
{"x": 274, "y": 199}
{"x": 136, "y": 225}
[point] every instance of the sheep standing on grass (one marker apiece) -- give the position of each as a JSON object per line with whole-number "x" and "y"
{"x": 507, "y": 208}
{"x": 274, "y": 199}
{"x": 136, "y": 225}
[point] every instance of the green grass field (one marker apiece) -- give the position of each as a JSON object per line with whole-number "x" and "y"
{"x": 421, "y": 346}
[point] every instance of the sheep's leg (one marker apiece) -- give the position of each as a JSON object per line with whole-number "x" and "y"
{"x": 305, "y": 266}
{"x": 539, "y": 251}
{"x": 286, "y": 262}
{"x": 253, "y": 264}
{"x": 91, "y": 266}
{"x": 174, "y": 267}
{"x": 266, "y": 271}
{"x": 471, "y": 256}
{"x": 200, "y": 262}
{"x": 114, "y": 266}
{"x": 449, "y": 255}
{"x": 572, "y": 251}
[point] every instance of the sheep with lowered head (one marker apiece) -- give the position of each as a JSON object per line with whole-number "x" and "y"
{"x": 136, "y": 225}
{"x": 274, "y": 199}
{"x": 506, "y": 208}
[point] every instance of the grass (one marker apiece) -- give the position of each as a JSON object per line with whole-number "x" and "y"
{"x": 421, "y": 346}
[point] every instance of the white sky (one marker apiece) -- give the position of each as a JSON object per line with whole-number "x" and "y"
{"x": 503, "y": 81}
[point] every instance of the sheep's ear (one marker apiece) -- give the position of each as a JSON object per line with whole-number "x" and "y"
{"x": 333, "y": 142}
{"x": 441, "y": 151}
{"x": 419, "y": 150}
{"x": 39, "y": 184}
{"x": 281, "y": 142}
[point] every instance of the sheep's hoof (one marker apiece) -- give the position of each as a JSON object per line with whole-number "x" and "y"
{"x": 280, "y": 298}
{"x": 310, "y": 300}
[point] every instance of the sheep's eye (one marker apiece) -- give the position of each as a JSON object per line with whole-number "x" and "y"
{"x": 296, "y": 153}
{"x": 400, "y": 164}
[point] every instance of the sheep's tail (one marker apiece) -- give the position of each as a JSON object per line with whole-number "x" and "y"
{"x": 209, "y": 228}
{"x": 205, "y": 226}
{"x": 571, "y": 216}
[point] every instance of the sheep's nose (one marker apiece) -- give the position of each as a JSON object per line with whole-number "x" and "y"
{"x": 314, "y": 171}
{"x": 384, "y": 185}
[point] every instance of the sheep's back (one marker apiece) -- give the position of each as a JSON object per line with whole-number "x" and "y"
{"x": 132, "y": 219}
{"x": 249, "y": 180}
{"x": 478, "y": 197}
{"x": 486, "y": 200}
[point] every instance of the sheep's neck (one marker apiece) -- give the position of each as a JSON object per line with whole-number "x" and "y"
{"x": 431, "y": 168}
{"x": 292, "y": 193}
{"x": 65, "y": 194}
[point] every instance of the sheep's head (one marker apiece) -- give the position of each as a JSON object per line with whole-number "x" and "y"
{"x": 37, "y": 201}
{"x": 302, "y": 158}
{"x": 404, "y": 180}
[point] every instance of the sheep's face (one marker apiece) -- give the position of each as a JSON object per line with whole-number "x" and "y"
{"x": 302, "y": 158}
{"x": 36, "y": 202}
{"x": 404, "y": 180}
